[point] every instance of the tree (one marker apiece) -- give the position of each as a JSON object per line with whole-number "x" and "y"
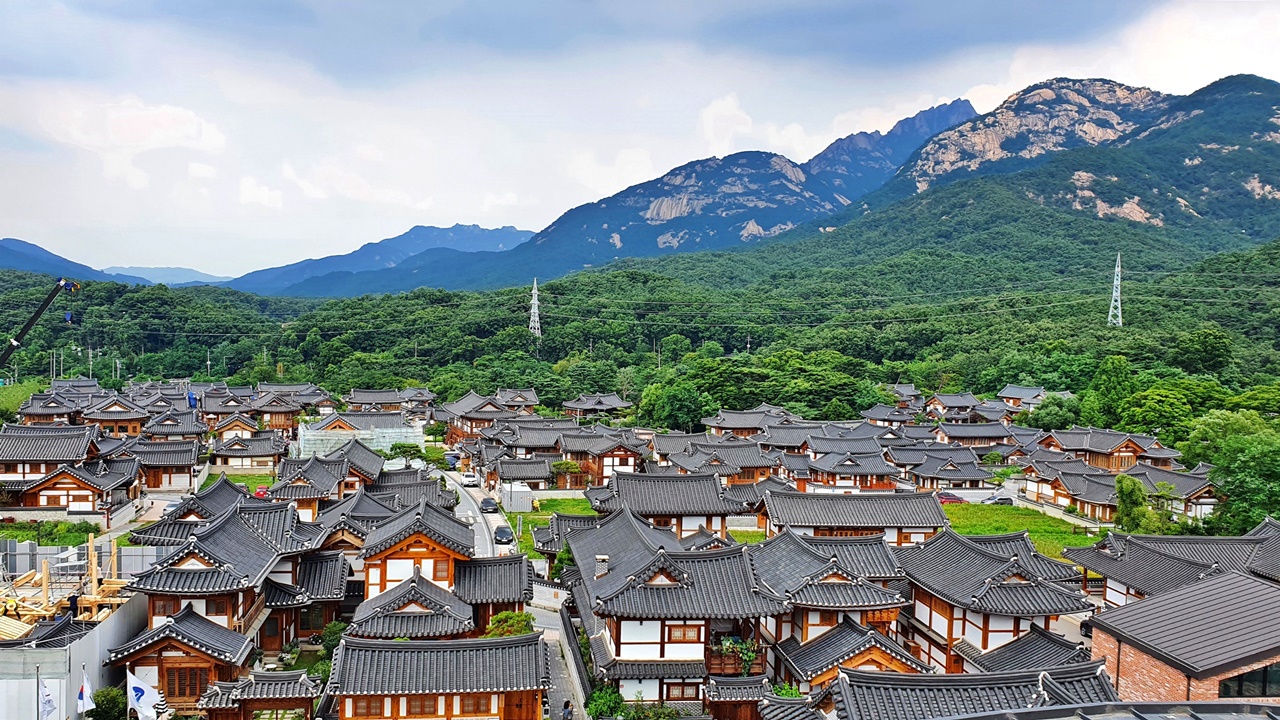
{"x": 1205, "y": 350}
{"x": 1265, "y": 399}
{"x": 563, "y": 559}
{"x": 677, "y": 405}
{"x": 1248, "y": 482}
{"x": 605, "y": 702}
{"x": 330, "y": 636}
{"x": 1209, "y": 433}
{"x": 508, "y": 623}
{"x": 1112, "y": 384}
{"x": 1165, "y": 413}
{"x": 408, "y": 451}
{"x": 1131, "y": 503}
{"x": 1055, "y": 413}
{"x": 836, "y": 409}
{"x": 110, "y": 703}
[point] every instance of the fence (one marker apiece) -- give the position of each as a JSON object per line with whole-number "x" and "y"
{"x": 67, "y": 563}
{"x": 577, "y": 665}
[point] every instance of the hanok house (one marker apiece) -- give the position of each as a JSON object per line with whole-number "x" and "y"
{"x": 938, "y": 467}
{"x": 309, "y": 482}
{"x": 1233, "y": 653}
{"x": 586, "y": 406}
{"x": 182, "y": 653}
{"x": 235, "y": 425}
{"x": 194, "y": 512}
{"x": 253, "y": 569}
{"x": 1137, "y": 566}
{"x": 470, "y": 414}
{"x": 48, "y": 409}
{"x": 736, "y": 463}
{"x": 30, "y": 452}
{"x": 175, "y": 426}
{"x": 415, "y": 609}
{"x": 278, "y": 412}
{"x": 903, "y": 518}
{"x": 847, "y": 473}
{"x": 258, "y": 453}
{"x": 166, "y": 464}
{"x": 261, "y": 692}
{"x": 502, "y": 678}
{"x": 417, "y": 403}
{"x": 888, "y": 415}
{"x": 536, "y": 473}
{"x": 440, "y": 547}
{"x": 89, "y": 489}
{"x": 117, "y": 416}
{"x": 1022, "y": 397}
{"x": 373, "y": 400}
{"x": 842, "y": 611}
{"x": 1110, "y": 450}
{"x": 600, "y": 457}
{"x": 983, "y": 590}
{"x": 1039, "y": 648}
{"x": 218, "y": 406}
{"x": 982, "y": 437}
{"x": 859, "y": 695}
{"x": 682, "y": 503}
{"x": 745, "y": 423}
{"x": 519, "y": 400}
{"x": 940, "y": 405}
{"x": 659, "y": 618}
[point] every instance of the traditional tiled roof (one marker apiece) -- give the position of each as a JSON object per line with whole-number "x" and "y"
{"x": 361, "y": 457}
{"x": 307, "y": 478}
{"x": 164, "y": 453}
{"x": 275, "y": 403}
{"x": 504, "y": 578}
{"x": 737, "y": 689}
{"x": 59, "y": 632}
{"x": 664, "y": 495}
{"x": 674, "y": 442}
{"x": 846, "y": 640}
{"x": 820, "y": 445}
{"x": 176, "y": 422}
{"x": 610, "y": 667}
{"x": 1184, "y": 484}
{"x": 415, "y": 608}
{"x": 1154, "y": 564}
{"x": 548, "y": 540}
{"x": 869, "y": 556}
{"x": 63, "y": 445}
{"x": 1021, "y": 392}
{"x": 407, "y": 486}
{"x": 268, "y": 444}
{"x": 808, "y": 578}
{"x": 175, "y": 527}
{"x": 115, "y": 407}
{"x": 522, "y": 470}
{"x": 752, "y": 494}
{"x": 955, "y": 400}
{"x": 969, "y": 575}
{"x": 860, "y": 695}
{"x": 1035, "y": 649}
{"x": 426, "y": 519}
{"x": 361, "y": 420}
{"x": 379, "y": 667}
{"x": 708, "y": 584}
{"x": 233, "y": 418}
{"x": 597, "y": 403}
{"x": 850, "y": 464}
{"x": 981, "y": 431}
{"x": 192, "y": 629}
{"x": 704, "y": 539}
{"x": 372, "y": 397}
{"x": 358, "y": 512}
{"x": 772, "y": 707}
{"x": 1217, "y": 641}
{"x": 871, "y": 510}
{"x": 102, "y": 475}
{"x": 756, "y": 418}
{"x": 287, "y": 685}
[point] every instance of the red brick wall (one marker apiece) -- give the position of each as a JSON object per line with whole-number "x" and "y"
{"x": 1142, "y": 678}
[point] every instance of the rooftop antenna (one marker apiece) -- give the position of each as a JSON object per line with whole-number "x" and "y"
{"x": 1114, "y": 316}
{"x": 535, "y": 325}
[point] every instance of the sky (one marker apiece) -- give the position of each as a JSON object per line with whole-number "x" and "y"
{"x": 231, "y": 135}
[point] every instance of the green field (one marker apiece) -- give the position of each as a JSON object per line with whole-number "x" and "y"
{"x": 12, "y": 397}
{"x": 748, "y": 537}
{"x": 542, "y": 517}
{"x": 253, "y": 482}
{"x": 1048, "y": 534}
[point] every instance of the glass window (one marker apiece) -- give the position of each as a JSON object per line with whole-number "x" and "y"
{"x": 1262, "y": 682}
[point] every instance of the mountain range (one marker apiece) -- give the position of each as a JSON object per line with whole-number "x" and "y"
{"x": 1061, "y": 175}
{"x": 168, "y": 275}
{"x": 21, "y": 255}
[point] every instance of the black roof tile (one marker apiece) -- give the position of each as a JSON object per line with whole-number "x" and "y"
{"x": 425, "y": 667}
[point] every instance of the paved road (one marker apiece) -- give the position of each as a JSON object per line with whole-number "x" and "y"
{"x": 562, "y": 685}
{"x": 469, "y": 507}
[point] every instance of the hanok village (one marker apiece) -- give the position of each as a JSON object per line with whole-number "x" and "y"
{"x": 770, "y": 568}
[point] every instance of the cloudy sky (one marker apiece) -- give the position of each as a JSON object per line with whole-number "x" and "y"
{"x": 229, "y": 135}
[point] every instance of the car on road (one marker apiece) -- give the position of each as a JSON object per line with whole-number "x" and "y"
{"x": 488, "y": 505}
{"x": 998, "y": 500}
{"x": 470, "y": 479}
{"x": 947, "y": 498}
{"x": 172, "y": 506}
{"x": 503, "y": 535}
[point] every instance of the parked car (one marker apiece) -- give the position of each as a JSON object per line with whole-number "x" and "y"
{"x": 172, "y": 506}
{"x": 470, "y": 479}
{"x": 503, "y": 535}
{"x": 947, "y": 498}
{"x": 488, "y": 505}
{"x": 998, "y": 500}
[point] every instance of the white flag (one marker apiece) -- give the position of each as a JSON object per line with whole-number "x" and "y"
{"x": 48, "y": 708}
{"x": 84, "y": 701}
{"x": 143, "y": 697}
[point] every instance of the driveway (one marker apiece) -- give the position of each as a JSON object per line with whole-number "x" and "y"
{"x": 469, "y": 510}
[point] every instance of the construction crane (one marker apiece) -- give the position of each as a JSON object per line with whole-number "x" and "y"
{"x": 62, "y": 285}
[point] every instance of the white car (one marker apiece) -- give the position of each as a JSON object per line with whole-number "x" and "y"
{"x": 470, "y": 479}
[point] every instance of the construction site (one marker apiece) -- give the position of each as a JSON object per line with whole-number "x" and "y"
{"x": 61, "y": 608}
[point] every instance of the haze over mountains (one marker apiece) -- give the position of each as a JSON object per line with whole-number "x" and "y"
{"x": 1174, "y": 177}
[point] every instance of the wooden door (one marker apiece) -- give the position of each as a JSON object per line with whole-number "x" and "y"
{"x": 271, "y": 633}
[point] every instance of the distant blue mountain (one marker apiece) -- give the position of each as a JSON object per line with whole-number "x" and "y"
{"x": 382, "y": 255}
{"x": 21, "y": 255}
{"x": 168, "y": 275}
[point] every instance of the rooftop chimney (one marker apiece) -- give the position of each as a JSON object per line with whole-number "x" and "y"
{"x": 602, "y": 565}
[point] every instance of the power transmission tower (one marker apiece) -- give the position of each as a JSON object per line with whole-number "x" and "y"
{"x": 535, "y": 324}
{"x": 1114, "y": 316}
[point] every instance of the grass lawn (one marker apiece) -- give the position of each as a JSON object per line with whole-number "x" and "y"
{"x": 748, "y": 537}
{"x": 253, "y": 482}
{"x": 542, "y": 517}
{"x": 12, "y": 396}
{"x": 1048, "y": 534}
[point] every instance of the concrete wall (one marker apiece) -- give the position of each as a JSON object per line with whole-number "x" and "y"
{"x": 321, "y": 442}
{"x": 60, "y": 668}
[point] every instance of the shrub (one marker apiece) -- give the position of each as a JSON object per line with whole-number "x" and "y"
{"x": 111, "y": 705}
{"x": 508, "y": 623}
{"x": 787, "y": 690}
{"x": 605, "y": 701}
{"x": 331, "y": 635}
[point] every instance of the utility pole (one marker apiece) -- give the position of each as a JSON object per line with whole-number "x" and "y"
{"x": 748, "y": 343}
{"x": 1114, "y": 315}
{"x": 535, "y": 323}
{"x": 90, "y": 362}
{"x": 208, "y": 363}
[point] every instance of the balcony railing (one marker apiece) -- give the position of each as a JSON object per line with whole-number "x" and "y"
{"x": 246, "y": 620}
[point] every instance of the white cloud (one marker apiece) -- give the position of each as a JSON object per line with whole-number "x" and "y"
{"x": 252, "y": 191}
{"x": 308, "y": 188}
{"x": 499, "y": 200}
{"x": 201, "y": 171}
{"x": 629, "y": 166}
{"x": 720, "y": 122}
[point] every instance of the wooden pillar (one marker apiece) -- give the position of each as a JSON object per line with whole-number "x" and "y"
{"x": 44, "y": 582}
{"x": 92, "y": 557}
